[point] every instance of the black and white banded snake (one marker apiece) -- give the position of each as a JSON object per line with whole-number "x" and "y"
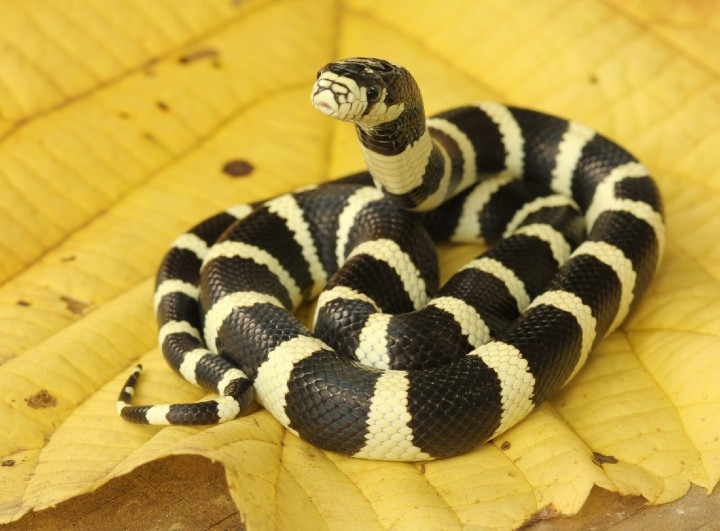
{"x": 580, "y": 229}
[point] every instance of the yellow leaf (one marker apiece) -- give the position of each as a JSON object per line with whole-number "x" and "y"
{"x": 123, "y": 123}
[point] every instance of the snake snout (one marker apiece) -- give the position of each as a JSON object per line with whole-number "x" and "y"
{"x": 324, "y": 101}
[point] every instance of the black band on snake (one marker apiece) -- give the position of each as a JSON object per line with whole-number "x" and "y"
{"x": 396, "y": 369}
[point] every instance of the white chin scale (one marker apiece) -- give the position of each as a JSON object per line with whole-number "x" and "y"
{"x": 338, "y": 97}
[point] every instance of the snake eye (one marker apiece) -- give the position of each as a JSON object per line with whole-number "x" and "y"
{"x": 373, "y": 93}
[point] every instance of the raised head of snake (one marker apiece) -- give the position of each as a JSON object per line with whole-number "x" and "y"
{"x": 384, "y": 102}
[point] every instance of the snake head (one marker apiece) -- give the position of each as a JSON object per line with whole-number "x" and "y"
{"x": 364, "y": 91}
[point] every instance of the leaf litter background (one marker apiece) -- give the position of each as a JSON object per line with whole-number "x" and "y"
{"x": 119, "y": 124}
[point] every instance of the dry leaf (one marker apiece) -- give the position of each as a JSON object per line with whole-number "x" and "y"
{"x": 122, "y": 123}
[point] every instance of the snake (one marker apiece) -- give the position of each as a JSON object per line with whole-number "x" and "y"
{"x": 398, "y": 368}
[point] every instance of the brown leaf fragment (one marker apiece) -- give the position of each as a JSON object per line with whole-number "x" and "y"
{"x": 23, "y": 303}
{"x": 546, "y": 513}
{"x": 237, "y": 168}
{"x": 505, "y": 445}
{"x": 600, "y": 459}
{"x": 149, "y": 66}
{"x": 41, "y": 399}
{"x": 198, "y": 55}
{"x": 76, "y": 306}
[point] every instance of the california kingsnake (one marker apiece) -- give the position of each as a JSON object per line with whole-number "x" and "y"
{"x": 238, "y": 276}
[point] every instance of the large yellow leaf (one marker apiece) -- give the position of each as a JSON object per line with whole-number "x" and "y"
{"x": 122, "y": 123}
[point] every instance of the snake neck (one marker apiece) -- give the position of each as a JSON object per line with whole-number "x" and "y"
{"x": 404, "y": 160}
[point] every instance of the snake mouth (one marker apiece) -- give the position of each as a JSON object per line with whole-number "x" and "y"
{"x": 325, "y": 108}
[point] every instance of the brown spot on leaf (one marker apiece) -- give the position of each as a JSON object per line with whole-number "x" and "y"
{"x": 8, "y": 462}
{"x": 74, "y": 305}
{"x": 547, "y": 512}
{"x": 68, "y": 258}
{"x": 23, "y": 303}
{"x": 164, "y": 107}
{"x": 199, "y": 55}
{"x": 600, "y": 459}
{"x": 41, "y": 399}
{"x": 422, "y": 468}
{"x": 149, "y": 67}
{"x": 237, "y": 168}
{"x": 505, "y": 445}
{"x": 593, "y": 79}
{"x": 124, "y": 115}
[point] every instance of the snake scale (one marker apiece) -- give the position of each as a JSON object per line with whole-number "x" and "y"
{"x": 396, "y": 369}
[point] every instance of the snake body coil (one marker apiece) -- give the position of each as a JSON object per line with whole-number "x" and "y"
{"x": 396, "y": 370}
